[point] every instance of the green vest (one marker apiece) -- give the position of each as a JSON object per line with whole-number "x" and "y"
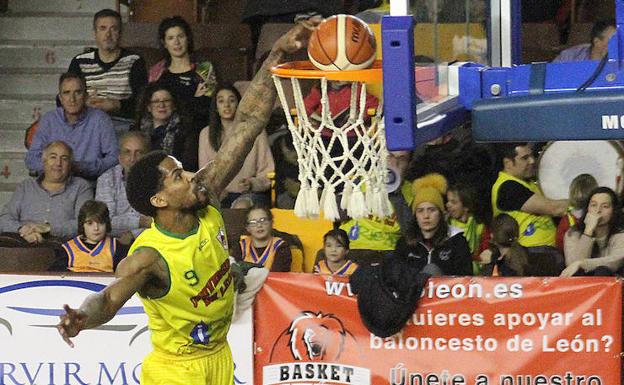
{"x": 535, "y": 230}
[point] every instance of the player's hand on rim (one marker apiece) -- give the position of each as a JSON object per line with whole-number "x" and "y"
{"x": 72, "y": 322}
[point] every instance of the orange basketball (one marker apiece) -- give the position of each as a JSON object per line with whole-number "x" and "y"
{"x": 342, "y": 42}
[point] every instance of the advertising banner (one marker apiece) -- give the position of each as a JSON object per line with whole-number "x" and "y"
{"x": 33, "y": 352}
{"x": 481, "y": 331}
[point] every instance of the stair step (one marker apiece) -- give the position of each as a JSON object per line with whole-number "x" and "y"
{"x": 29, "y": 84}
{"x": 5, "y": 194}
{"x": 43, "y": 28}
{"x": 12, "y": 139}
{"x": 45, "y": 58}
{"x": 81, "y": 6}
{"x": 23, "y": 112}
{"x": 12, "y": 168}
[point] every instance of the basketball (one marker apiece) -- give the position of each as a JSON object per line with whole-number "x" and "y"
{"x": 342, "y": 42}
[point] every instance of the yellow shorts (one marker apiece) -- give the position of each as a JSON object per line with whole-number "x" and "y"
{"x": 161, "y": 368}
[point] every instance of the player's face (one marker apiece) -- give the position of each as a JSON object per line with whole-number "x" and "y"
{"x": 226, "y": 104}
{"x": 56, "y": 164}
{"x": 428, "y": 216}
{"x": 179, "y": 189}
{"x": 176, "y": 42}
{"x": 259, "y": 224}
{"x": 523, "y": 164}
{"x": 94, "y": 230}
{"x": 334, "y": 250}
{"x": 72, "y": 96}
{"x": 601, "y": 205}
{"x": 161, "y": 106}
{"x": 131, "y": 149}
{"x": 107, "y": 33}
{"x": 454, "y": 206}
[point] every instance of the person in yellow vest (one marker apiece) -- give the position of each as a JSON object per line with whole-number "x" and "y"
{"x": 180, "y": 266}
{"x": 516, "y": 193}
{"x": 335, "y": 250}
{"x": 375, "y": 233}
{"x": 261, "y": 246}
{"x": 464, "y": 213}
{"x": 580, "y": 189}
{"x": 94, "y": 249}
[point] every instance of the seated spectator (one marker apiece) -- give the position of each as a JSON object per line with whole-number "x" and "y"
{"x": 465, "y": 213}
{"x": 506, "y": 257}
{"x": 161, "y": 118}
{"x": 374, "y": 233}
{"x": 287, "y": 183}
{"x": 335, "y": 250}
{"x": 126, "y": 222}
{"x": 252, "y": 179}
{"x": 88, "y": 131}
{"x": 580, "y": 188}
{"x": 595, "y": 245}
{"x": 47, "y": 206}
{"x": 261, "y": 246}
{"x": 431, "y": 245}
{"x": 194, "y": 84}
{"x": 114, "y": 76}
{"x": 93, "y": 249}
{"x": 516, "y": 193}
{"x": 596, "y": 49}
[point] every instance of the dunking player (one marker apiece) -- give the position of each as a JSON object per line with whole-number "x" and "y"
{"x": 180, "y": 265}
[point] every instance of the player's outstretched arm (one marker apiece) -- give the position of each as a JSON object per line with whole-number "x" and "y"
{"x": 132, "y": 274}
{"x": 254, "y": 111}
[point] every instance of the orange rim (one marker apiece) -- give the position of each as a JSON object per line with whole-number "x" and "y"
{"x": 306, "y": 70}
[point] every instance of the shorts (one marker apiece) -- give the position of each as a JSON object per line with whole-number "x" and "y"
{"x": 216, "y": 368}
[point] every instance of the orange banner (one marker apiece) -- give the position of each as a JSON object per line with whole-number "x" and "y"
{"x": 478, "y": 331}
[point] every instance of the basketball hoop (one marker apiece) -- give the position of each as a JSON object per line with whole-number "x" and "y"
{"x": 330, "y": 163}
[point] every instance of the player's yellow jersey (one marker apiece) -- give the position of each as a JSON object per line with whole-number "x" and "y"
{"x": 195, "y": 314}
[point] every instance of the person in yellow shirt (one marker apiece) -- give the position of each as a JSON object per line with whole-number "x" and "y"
{"x": 180, "y": 266}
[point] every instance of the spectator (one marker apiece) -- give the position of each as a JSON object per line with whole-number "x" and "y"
{"x": 464, "y": 213}
{"x": 287, "y": 183}
{"x": 335, "y": 250}
{"x": 432, "y": 246}
{"x": 595, "y": 245}
{"x": 126, "y": 222}
{"x": 114, "y": 76}
{"x": 48, "y": 205}
{"x": 88, "y": 131}
{"x": 93, "y": 249}
{"x": 261, "y": 246}
{"x": 516, "y": 193}
{"x": 580, "y": 188}
{"x": 252, "y": 179}
{"x": 160, "y": 116}
{"x": 506, "y": 257}
{"x": 596, "y": 49}
{"x": 192, "y": 83}
{"x": 374, "y": 233}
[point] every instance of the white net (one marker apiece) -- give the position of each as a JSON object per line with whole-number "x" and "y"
{"x": 346, "y": 161}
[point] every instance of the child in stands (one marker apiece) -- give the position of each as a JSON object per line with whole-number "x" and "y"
{"x": 93, "y": 249}
{"x": 335, "y": 250}
{"x": 580, "y": 188}
{"x": 262, "y": 246}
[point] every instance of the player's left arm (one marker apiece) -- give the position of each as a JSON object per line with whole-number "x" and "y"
{"x": 253, "y": 112}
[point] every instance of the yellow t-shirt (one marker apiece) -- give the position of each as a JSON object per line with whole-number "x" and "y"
{"x": 195, "y": 313}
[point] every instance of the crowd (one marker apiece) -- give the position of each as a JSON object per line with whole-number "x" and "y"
{"x": 459, "y": 209}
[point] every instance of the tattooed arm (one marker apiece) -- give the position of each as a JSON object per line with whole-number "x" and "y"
{"x": 252, "y": 115}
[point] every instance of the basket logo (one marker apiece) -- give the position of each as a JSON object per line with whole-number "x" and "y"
{"x": 315, "y": 348}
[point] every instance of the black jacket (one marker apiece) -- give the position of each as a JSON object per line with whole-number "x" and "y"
{"x": 453, "y": 255}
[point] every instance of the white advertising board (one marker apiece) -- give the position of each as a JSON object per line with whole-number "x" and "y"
{"x": 32, "y": 351}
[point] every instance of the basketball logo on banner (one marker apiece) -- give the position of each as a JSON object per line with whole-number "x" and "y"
{"x": 315, "y": 348}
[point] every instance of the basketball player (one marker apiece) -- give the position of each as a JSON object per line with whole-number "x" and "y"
{"x": 180, "y": 267}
